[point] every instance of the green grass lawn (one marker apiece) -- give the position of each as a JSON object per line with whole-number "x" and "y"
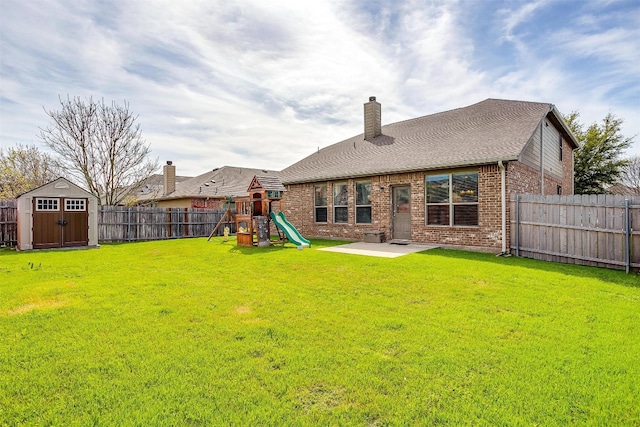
{"x": 197, "y": 333}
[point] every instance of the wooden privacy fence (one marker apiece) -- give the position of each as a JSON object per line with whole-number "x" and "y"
{"x": 8, "y": 223}
{"x": 600, "y": 230}
{"x": 128, "y": 224}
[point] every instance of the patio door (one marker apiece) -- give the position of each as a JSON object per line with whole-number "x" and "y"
{"x": 401, "y": 212}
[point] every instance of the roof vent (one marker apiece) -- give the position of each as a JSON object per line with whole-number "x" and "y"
{"x": 372, "y": 98}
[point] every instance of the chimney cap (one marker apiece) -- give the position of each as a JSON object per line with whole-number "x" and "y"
{"x": 372, "y": 98}
{"x": 169, "y": 162}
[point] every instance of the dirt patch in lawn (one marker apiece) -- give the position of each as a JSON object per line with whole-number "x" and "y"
{"x": 243, "y": 309}
{"x": 38, "y": 305}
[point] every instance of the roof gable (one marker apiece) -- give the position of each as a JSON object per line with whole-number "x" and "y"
{"x": 481, "y": 133}
{"x": 267, "y": 183}
{"x": 59, "y": 187}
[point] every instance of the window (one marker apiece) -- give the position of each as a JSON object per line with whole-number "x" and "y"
{"x": 452, "y": 199}
{"x": 320, "y": 202}
{"x": 340, "y": 203}
{"x": 74, "y": 205}
{"x": 559, "y": 190}
{"x": 363, "y": 202}
{"x": 47, "y": 204}
{"x": 560, "y": 139}
{"x": 438, "y": 200}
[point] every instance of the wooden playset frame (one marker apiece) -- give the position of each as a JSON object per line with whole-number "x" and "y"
{"x": 253, "y": 222}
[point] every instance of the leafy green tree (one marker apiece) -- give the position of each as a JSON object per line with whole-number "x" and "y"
{"x": 23, "y": 168}
{"x": 598, "y": 162}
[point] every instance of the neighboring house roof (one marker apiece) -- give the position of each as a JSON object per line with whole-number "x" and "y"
{"x": 153, "y": 187}
{"x": 481, "y": 133}
{"x": 623, "y": 190}
{"x": 226, "y": 181}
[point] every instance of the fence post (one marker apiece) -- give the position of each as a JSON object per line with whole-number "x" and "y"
{"x": 627, "y": 235}
{"x": 517, "y": 225}
{"x": 128, "y": 223}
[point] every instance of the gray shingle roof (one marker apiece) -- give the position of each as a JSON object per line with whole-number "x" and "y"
{"x": 481, "y": 133}
{"x": 221, "y": 182}
{"x": 151, "y": 188}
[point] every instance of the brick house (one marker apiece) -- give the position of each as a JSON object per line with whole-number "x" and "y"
{"x": 440, "y": 179}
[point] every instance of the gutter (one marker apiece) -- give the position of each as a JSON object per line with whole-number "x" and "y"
{"x": 366, "y": 174}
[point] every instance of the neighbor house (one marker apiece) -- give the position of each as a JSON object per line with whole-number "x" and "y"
{"x": 212, "y": 189}
{"x": 442, "y": 179}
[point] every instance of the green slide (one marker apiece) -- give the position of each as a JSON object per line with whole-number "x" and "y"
{"x": 290, "y": 231}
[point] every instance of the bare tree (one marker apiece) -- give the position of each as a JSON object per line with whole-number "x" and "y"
{"x": 23, "y": 168}
{"x": 101, "y": 145}
{"x": 631, "y": 174}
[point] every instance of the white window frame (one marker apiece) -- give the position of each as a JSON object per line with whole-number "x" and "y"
{"x": 47, "y": 204}
{"x": 75, "y": 205}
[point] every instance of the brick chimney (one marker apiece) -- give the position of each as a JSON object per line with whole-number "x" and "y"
{"x": 372, "y": 119}
{"x": 169, "y": 178}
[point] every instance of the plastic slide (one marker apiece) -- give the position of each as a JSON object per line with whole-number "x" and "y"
{"x": 289, "y": 230}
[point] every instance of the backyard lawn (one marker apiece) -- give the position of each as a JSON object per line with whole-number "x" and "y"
{"x": 197, "y": 333}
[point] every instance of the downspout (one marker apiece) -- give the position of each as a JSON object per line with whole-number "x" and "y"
{"x": 503, "y": 197}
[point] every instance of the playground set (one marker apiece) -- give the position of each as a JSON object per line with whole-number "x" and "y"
{"x": 255, "y": 212}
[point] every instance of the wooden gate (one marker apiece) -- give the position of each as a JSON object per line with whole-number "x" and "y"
{"x": 60, "y": 222}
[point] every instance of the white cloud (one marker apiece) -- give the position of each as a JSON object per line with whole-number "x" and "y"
{"x": 263, "y": 84}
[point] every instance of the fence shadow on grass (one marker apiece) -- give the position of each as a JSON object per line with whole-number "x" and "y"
{"x": 617, "y": 277}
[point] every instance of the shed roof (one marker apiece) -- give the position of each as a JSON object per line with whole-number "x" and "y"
{"x": 481, "y": 133}
{"x": 59, "y": 187}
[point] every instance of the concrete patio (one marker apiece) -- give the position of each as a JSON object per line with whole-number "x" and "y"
{"x": 384, "y": 250}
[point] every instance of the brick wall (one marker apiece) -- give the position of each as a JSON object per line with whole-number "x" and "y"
{"x": 520, "y": 179}
{"x": 299, "y": 208}
{"x": 208, "y": 203}
{"x": 523, "y": 179}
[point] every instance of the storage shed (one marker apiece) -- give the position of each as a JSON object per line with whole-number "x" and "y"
{"x": 58, "y": 214}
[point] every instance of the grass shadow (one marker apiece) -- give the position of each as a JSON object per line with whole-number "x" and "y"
{"x": 617, "y": 277}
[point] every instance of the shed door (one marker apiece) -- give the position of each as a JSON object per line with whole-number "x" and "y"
{"x": 75, "y": 231}
{"x": 402, "y": 212}
{"x": 47, "y": 232}
{"x": 60, "y": 222}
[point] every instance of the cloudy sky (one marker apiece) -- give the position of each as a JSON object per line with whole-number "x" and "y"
{"x": 263, "y": 84}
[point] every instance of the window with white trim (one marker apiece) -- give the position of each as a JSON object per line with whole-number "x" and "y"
{"x": 560, "y": 144}
{"x": 340, "y": 203}
{"x": 320, "y": 202}
{"x": 76, "y": 205}
{"x": 47, "y": 204}
{"x": 452, "y": 199}
{"x": 363, "y": 202}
